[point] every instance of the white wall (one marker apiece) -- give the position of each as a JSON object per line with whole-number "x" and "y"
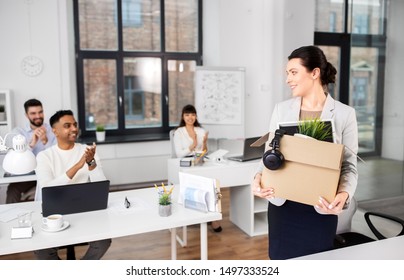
{"x": 256, "y": 34}
{"x": 49, "y": 42}
{"x": 393, "y": 121}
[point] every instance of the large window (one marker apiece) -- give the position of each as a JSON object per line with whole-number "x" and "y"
{"x": 352, "y": 34}
{"x": 136, "y": 61}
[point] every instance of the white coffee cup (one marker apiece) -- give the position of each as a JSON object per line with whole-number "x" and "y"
{"x": 54, "y": 221}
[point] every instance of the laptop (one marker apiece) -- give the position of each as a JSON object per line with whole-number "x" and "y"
{"x": 249, "y": 153}
{"x": 75, "y": 198}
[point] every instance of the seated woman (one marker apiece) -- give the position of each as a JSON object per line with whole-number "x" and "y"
{"x": 189, "y": 135}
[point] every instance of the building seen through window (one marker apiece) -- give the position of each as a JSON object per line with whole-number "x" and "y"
{"x": 352, "y": 35}
{"x": 136, "y": 61}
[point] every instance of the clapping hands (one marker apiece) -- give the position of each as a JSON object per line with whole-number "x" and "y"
{"x": 39, "y": 134}
{"x": 90, "y": 153}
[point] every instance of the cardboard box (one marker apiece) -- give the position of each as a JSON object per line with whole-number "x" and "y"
{"x": 311, "y": 169}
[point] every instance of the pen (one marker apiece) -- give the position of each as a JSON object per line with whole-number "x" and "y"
{"x": 126, "y": 202}
{"x": 203, "y": 153}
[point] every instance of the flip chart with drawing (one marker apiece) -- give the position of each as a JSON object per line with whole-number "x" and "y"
{"x": 219, "y": 100}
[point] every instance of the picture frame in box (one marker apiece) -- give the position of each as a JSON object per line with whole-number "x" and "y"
{"x": 292, "y": 128}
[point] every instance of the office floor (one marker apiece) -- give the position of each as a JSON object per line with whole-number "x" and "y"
{"x": 377, "y": 178}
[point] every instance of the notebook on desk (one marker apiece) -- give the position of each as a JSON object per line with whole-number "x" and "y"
{"x": 249, "y": 153}
{"x": 75, "y": 198}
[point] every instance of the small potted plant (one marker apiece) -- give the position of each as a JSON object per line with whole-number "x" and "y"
{"x": 315, "y": 128}
{"x": 164, "y": 200}
{"x": 100, "y": 133}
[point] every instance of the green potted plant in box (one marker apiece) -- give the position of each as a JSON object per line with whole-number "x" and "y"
{"x": 315, "y": 128}
{"x": 100, "y": 133}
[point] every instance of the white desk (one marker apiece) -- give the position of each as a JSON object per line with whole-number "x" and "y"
{"x": 246, "y": 211}
{"x": 387, "y": 249}
{"x": 15, "y": 179}
{"x": 108, "y": 223}
{"x": 4, "y": 181}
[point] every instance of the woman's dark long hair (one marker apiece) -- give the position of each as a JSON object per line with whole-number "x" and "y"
{"x": 188, "y": 109}
{"x": 313, "y": 57}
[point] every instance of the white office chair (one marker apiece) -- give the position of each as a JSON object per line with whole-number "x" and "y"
{"x": 173, "y": 154}
{"x": 345, "y": 237}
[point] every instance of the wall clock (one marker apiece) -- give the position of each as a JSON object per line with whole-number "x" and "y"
{"x": 32, "y": 66}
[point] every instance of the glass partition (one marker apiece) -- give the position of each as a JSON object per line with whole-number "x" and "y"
{"x": 382, "y": 174}
{"x": 362, "y": 39}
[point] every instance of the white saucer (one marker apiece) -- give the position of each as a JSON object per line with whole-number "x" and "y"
{"x": 64, "y": 226}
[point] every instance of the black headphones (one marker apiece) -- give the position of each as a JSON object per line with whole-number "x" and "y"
{"x": 273, "y": 158}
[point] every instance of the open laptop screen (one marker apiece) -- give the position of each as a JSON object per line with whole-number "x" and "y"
{"x": 249, "y": 152}
{"x": 75, "y": 198}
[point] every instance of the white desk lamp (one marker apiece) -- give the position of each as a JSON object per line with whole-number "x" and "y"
{"x": 19, "y": 159}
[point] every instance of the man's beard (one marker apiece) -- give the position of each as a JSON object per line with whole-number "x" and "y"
{"x": 40, "y": 120}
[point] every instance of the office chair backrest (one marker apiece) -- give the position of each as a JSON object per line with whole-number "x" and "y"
{"x": 173, "y": 154}
{"x": 345, "y": 217}
{"x": 345, "y": 237}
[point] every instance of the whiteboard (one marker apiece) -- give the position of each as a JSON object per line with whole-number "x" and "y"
{"x": 219, "y": 100}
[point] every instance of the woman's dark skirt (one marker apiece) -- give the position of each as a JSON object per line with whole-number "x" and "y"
{"x": 296, "y": 229}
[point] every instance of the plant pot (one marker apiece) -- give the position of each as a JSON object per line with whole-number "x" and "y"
{"x": 100, "y": 136}
{"x": 164, "y": 210}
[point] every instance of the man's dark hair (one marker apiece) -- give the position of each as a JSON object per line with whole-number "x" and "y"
{"x": 31, "y": 103}
{"x": 59, "y": 114}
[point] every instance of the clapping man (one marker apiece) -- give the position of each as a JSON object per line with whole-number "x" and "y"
{"x": 39, "y": 136}
{"x": 66, "y": 163}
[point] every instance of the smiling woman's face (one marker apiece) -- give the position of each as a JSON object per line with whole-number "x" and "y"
{"x": 189, "y": 118}
{"x": 299, "y": 79}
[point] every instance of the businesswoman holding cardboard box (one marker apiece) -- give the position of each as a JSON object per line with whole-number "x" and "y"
{"x": 296, "y": 229}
